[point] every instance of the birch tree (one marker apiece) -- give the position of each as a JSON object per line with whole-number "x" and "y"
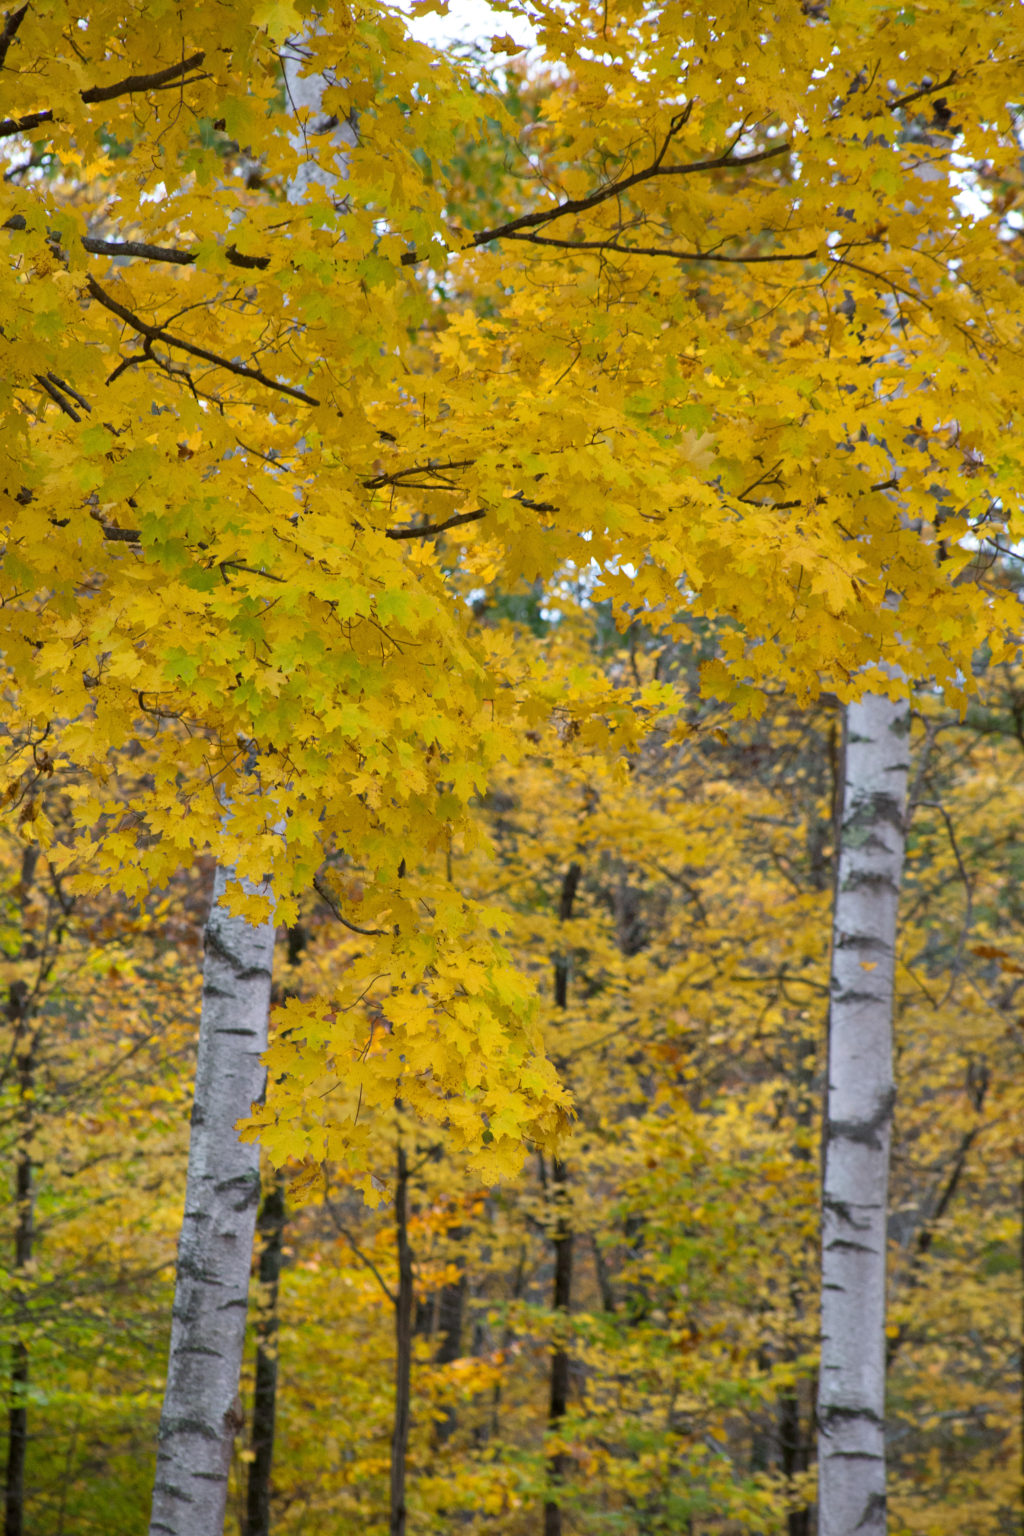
{"x": 858, "y": 1118}
{"x": 202, "y": 1411}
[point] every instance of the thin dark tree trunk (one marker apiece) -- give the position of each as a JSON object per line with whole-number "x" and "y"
{"x": 558, "y": 1400}
{"x": 403, "y": 1348}
{"x": 795, "y": 1457}
{"x": 604, "y": 1279}
{"x": 24, "y": 1229}
{"x": 270, "y": 1227}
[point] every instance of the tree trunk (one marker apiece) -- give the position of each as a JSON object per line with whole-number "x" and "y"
{"x": 202, "y": 1412}
{"x": 24, "y": 1231}
{"x": 264, "y": 1399}
{"x": 860, "y": 1096}
{"x": 403, "y": 1349}
{"x": 558, "y": 1400}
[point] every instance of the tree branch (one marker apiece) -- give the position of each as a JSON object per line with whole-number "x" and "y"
{"x": 180, "y": 258}
{"x": 12, "y": 125}
{"x": 614, "y": 244}
{"x": 154, "y": 333}
{"x": 574, "y": 205}
{"x": 431, "y": 530}
{"x": 11, "y": 24}
{"x": 926, "y": 90}
{"x": 362, "y": 1257}
{"x": 57, "y": 390}
{"x": 159, "y": 80}
{"x": 328, "y": 900}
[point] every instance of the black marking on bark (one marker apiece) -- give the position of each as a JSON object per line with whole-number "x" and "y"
{"x": 193, "y": 1271}
{"x": 858, "y": 997}
{"x": 842, "y": 1209}
{"x": 874, "y": 1510}
{"x": 840, "y": 1413}
{"x": 879, "y": 806}
{"x": 870, "y": 880}
{"x": 845, "y": 1246}
{"x": 864, "y": 1132}
{"x": 249, "y": 1187}
{"x": 241, "y": 972}
{"x": 174, "y": 1492}
{"x": 210, "y": 1477}
{"x": 249, "y": 1033}
{"x": 199, "y": 1349}
{"x": 862, "y": 941}
{"x": 192, "y": 1427}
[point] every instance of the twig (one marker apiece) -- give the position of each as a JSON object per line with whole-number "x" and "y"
{"x": 54, "y": 393}
{"x": 328, "y": 899}
{"x": 660, "y": 250}
{"x": 371, "y": 1266}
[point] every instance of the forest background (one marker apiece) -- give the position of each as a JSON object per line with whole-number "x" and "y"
{"x": 473, "y": 495}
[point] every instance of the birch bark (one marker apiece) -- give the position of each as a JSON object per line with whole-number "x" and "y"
{"x": 201, "y": 1411}
{"x": 859, "y": 1105}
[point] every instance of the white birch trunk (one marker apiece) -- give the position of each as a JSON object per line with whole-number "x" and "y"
{"x": 851, "y": 1401}
{"x": 201, "y": 1412}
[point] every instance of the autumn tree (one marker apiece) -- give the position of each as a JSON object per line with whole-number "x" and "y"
{"x": 259, "y": 527}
